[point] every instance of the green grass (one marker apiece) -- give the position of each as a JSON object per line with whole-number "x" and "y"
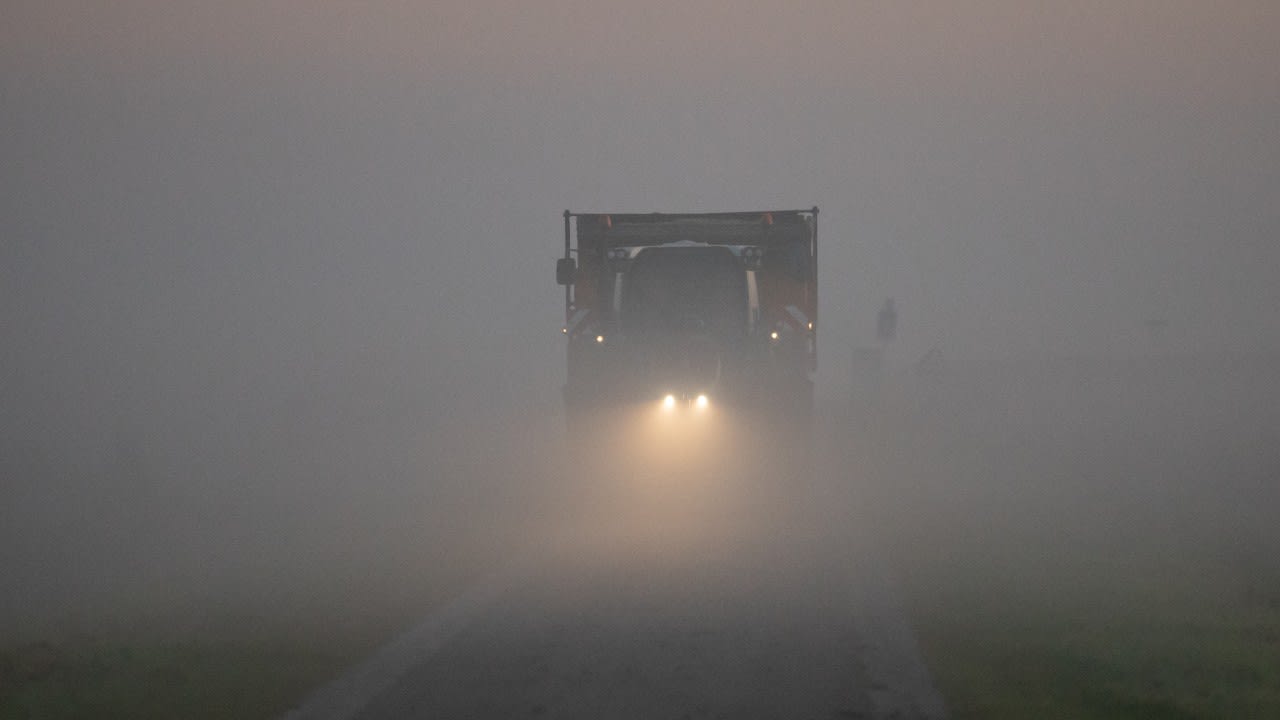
{"x": 1106, "y": 668}
{"x": 94, "y": 678}
{"x": 1124, "y": 566}
{"x": 1043, "y": 623}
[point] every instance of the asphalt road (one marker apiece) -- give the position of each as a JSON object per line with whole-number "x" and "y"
{"x": 676, "y": 607}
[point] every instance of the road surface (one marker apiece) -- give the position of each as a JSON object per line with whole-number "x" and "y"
{"x": 672, "y": 604}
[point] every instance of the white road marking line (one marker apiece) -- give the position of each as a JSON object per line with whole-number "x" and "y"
{"x": 898, "y": 681}
{"x": 345, "y": 697}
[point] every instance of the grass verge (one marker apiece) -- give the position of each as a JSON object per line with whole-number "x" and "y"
{"x": 1036, "y": 661}
{"x": 91, "y": 677}
{"x": 1026, "y": 611}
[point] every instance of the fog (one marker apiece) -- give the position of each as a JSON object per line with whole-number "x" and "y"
{"x": 279, "y": 333}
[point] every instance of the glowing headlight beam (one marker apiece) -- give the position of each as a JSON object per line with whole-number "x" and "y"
{"x": 669, "y": 402}
{"x": 701, "y": 402}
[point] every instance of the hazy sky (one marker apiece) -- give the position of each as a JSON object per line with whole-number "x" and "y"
{"x": 233, "y": 200}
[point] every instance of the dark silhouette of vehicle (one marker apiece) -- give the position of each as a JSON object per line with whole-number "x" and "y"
{"x": 691, "y": 310}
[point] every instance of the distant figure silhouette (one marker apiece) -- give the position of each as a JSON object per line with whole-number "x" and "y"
{"x": 887, "y": 321}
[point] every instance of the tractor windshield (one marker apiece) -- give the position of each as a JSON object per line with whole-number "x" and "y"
{"x": 685, "y": 291}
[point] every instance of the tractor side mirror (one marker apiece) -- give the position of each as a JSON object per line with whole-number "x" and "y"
{"x": 566, "y": 269}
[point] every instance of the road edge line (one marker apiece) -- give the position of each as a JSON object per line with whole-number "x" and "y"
{"x": 354, "y": 690}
